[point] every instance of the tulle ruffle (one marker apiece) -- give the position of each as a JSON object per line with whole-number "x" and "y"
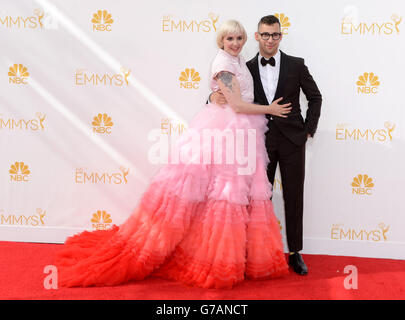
{"x": 227, "y": 243}
{"x": 212, "y": 244}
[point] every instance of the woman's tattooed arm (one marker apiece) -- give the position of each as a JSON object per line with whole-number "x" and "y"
{"x": 226, "y": 78}
{"x": 229, "y": 86}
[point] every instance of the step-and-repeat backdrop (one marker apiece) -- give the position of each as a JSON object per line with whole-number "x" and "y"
{"x": 89, "y": 87}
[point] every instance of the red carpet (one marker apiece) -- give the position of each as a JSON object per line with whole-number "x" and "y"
{"x": 22, "y": 277}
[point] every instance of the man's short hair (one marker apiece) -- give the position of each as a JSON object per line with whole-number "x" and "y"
{"x": 269, "y": 20}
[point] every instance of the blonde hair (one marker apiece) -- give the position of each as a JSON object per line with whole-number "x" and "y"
{"x": 230, "y": 27}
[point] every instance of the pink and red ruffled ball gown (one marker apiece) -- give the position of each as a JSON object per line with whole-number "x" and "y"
{"x": 199, "y": 222}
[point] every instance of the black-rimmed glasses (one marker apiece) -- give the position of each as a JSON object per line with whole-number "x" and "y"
{"x": 266, "y": 35}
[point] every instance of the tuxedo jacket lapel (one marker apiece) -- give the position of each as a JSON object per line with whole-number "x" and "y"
{"x": 258, "y": 81}
{"x": 282, "y": 76}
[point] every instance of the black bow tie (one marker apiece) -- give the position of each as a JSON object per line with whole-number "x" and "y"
{"x": 271, "y": 61}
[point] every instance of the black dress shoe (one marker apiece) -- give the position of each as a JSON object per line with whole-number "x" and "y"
{"x": 295, "y": 260}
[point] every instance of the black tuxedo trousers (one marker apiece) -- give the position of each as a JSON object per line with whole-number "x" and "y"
{"x": 291, "y": 160}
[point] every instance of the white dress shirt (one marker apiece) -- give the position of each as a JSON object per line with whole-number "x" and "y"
{"x": 269, "y": 76}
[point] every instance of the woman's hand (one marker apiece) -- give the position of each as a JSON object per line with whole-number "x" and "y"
{"x": 280, "y": 110}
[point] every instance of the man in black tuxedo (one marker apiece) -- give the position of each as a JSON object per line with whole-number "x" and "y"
{"x": 276, "y": 74}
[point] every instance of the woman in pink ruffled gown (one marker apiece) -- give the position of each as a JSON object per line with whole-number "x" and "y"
{"x": 205, "y": 223}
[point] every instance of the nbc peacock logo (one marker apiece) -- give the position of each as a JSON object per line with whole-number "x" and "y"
{"x": 189, "y": 79}
{"x": 102, "y": 21}
{"x": 362, "y": 184}
{"x": 368, "y": 83}
{"x": 19, "y": 171}
{"x": 18, "y": 74}
{"x": 102, "y": 123}
{"x": 101, "y": 220}
{"x": 284, "y": 22}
